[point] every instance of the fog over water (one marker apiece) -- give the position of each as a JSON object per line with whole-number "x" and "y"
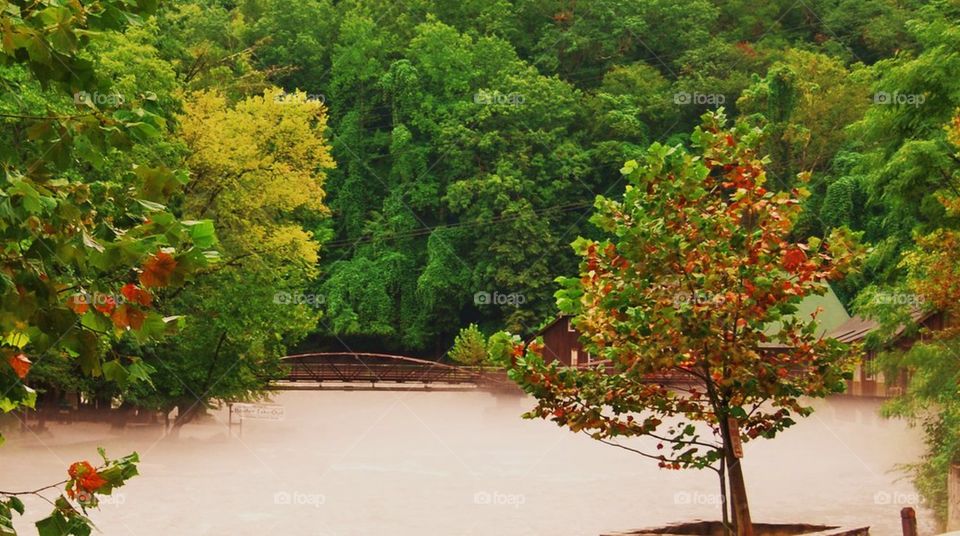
{"x": 457, "y": 463}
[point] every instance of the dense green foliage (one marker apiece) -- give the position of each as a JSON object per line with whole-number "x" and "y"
{"x": 471, "y": 137}
{"x": 87, "y": 241}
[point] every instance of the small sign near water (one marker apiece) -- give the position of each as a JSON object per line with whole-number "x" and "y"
{"x": 262, "y": 412}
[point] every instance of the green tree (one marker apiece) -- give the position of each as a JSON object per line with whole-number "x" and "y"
{"x": 930, "y": 401}
{"x": 902, "y": 157}
{"x": 257, "y": 170}
{"x": 86, "y": 247}
{"x": 470, "y": 346}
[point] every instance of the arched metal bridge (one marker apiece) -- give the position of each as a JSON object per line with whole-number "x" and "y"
{"x": 358, "y": 370}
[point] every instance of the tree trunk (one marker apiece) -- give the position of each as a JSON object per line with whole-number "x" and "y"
{"x": 724, "y": 496}
{"x": 953, "y": 498}
{"x": 738, "y": 489}
{"x": 186, "y": 412}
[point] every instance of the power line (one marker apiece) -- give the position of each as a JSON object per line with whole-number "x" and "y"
{"x": 428, "y": 230}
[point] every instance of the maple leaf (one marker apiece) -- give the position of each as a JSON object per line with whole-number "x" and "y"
{"x": 157, "y": 270}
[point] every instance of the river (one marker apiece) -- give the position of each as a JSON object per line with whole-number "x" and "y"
{"x": 458, "y": 463}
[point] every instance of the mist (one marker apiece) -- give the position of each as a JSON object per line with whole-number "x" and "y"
{"x": 342, "y": 463}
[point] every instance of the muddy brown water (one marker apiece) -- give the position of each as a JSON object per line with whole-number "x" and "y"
{"x": 446, "y": 463}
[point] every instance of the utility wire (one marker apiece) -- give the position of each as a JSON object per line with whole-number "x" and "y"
{"x": 427, "y": 230}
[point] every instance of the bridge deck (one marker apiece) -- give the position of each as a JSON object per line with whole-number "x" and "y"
{"x": 332, "y": 370}
{"x": 359, "y": 371}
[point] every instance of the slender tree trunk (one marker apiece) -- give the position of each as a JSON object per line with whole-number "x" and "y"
{"x": 725, "y": 504}
{"x": 186, "y": 412}
{"x": 738, "y": 489}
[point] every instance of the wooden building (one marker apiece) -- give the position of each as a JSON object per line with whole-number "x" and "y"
{"x": 867, "y": 381}
{"x": 561, "y": 342}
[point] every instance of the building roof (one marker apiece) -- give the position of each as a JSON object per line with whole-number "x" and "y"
{"x": 854, "y": 329}
{"x": 832, "y": 316}
{"x": 857, "y": 328}
{"x": 834, "y": 321}
{"x": 548, "y": 325}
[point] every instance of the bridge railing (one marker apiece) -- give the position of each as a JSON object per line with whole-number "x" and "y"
{"x": 322, "y": 367}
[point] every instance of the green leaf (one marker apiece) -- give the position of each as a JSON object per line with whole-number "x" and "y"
{"x": 55, "y": 525}
{"x": 30, "y": 399}
{"x": 201, "y": 233}
{"x": 115, "y": 372}
{"x": 140, "y": 371}
{"x": 89, "y": 354}
{"x": 16, "y": 504}
{"x": 738, "y": 412}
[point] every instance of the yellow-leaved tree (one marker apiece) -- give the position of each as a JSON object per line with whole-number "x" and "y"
{"x": 257, "y": 171}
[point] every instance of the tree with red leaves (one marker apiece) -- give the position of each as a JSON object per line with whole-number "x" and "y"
{"x": 678, "y": 301}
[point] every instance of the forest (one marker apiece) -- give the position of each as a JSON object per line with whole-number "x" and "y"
{"x": 194, "y": 189}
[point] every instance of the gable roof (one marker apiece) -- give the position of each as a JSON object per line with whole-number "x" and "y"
{"x": 549, "y": 325}
{"x": 858, "y": 327}
{"x": 832, "y": 316}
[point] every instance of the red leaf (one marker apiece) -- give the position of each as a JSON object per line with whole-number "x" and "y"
{"x": 85, "y": 477}
{"x": 78, "y": 303}
{"x": 793, "y": 258}
{"x": 20, "y": 364}
{"x": 157, "y": 270}
{"x": 108, "y": 305}
{"x": 128, "y": 316}
{"x": 129, "y": 292}
{"x": 135, "y": 294}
